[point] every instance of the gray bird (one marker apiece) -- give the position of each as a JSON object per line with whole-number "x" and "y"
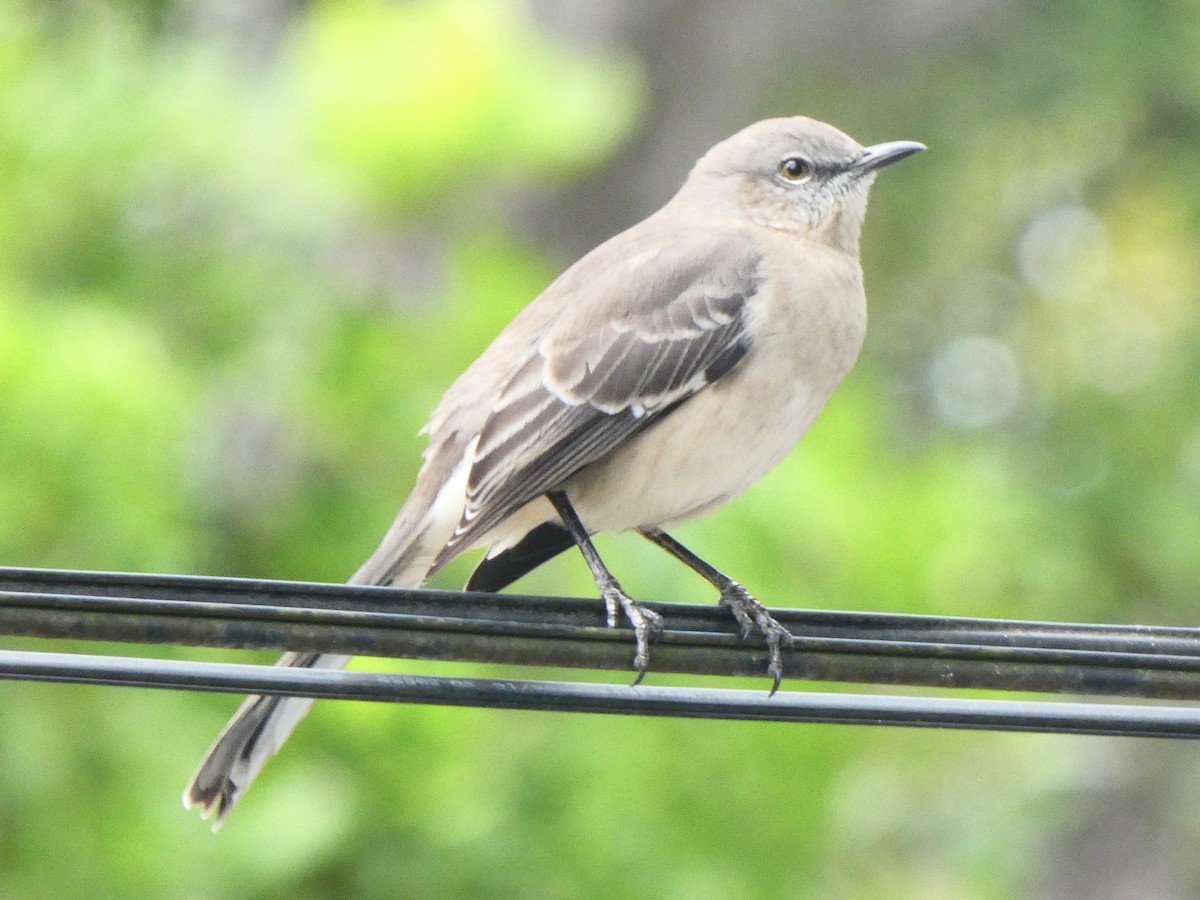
{"x": 652, "y": 382}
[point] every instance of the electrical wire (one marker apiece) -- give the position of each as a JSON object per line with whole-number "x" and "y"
{"x": 645, "y": 700}
{"x": 860, "y": 647}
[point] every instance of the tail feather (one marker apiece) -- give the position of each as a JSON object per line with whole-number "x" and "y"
{"x": 261, "y": 725}
{"x": 254, "y": 734}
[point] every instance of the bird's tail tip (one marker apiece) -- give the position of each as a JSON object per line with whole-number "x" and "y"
{"x": 214, "y": 800}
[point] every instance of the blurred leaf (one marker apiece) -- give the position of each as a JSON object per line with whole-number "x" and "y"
{"x": 411, "y": 101}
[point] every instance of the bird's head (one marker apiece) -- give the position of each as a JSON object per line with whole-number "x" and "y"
{"x": 798, "y": 175}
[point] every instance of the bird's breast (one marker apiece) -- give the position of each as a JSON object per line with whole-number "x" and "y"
{"x": 806, "y": 328}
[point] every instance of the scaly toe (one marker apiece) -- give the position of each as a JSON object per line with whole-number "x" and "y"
{"x": 612, "y": 604}
{"x": 775, "y": 665}
{"x": 752, "y": 615}
{"x": 737, "y": 601}
{"x": 646, "y": 623}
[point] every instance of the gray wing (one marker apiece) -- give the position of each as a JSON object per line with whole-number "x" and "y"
{"x": 593, "y": 382}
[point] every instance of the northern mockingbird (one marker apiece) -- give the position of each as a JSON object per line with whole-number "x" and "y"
{"x": 652, "y": 382}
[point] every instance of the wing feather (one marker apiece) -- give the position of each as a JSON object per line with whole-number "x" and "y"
{"x": 590, "y": 384}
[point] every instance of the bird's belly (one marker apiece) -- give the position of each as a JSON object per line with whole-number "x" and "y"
{"x": 710, "y": 450}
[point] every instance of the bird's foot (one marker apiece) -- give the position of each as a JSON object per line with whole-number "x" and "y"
{"x": 753, "y": 616}
{"x": 647, "y": 624}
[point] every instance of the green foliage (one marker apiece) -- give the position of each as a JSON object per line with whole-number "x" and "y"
{"x": 231, "y": 291}
{"x": 411, "y": 101}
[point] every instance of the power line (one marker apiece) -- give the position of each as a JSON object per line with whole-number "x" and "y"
{"x": 707, "y": 703}
{"x": 880, "y": 648}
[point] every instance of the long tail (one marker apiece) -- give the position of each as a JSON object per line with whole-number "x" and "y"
{"x": 254, "y": 734}
{"x": 261, "y": 725}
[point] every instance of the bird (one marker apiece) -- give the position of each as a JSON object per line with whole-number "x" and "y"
{"x": 653, "y": 381}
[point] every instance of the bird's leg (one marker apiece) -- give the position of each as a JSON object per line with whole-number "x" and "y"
{"x": 749, "y": 612}
{"x": 646, "y": 622}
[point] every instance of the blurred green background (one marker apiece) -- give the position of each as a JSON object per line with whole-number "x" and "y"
{"x": 245, "y": 246}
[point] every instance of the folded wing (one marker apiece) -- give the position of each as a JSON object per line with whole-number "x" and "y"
{"x": 604, "y": 371}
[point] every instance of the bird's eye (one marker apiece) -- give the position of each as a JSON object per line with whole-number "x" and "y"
{"x": 795, "y": 169}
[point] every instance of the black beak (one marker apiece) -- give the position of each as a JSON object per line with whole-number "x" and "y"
{"x": 878, "y": 156}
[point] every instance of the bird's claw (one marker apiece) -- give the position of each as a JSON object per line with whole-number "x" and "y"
{"x": 612, "y": 605}
{"x": 752, "y": 615}
{"x": 647, "y": 624}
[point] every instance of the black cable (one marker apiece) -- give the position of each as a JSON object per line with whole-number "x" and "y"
{"x": 1139, "y": 661}
{"x": 708, "y": 703}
